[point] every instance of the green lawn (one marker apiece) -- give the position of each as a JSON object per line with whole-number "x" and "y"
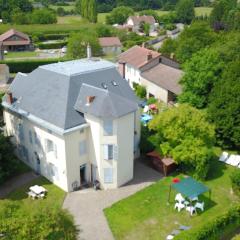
{"x": 24, "y": 218}
{"x": 102, "y": 17}
{"x": 66, "y": 8}
{"x": 203, "y": 11}
{"x": 70, "y": 19}
{"x": 22, "y": 54}
{"x": 146, "y": 214}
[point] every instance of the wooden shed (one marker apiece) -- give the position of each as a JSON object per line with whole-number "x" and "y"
{"x": 163, "y": 165}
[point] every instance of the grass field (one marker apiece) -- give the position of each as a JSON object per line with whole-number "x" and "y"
{"x": 66, "y": 8}
{"x": 21, "y": 54}
{"x": 203, "y": 11}
{"x": 146, "y": 214}
{"x": 75, "y": 19}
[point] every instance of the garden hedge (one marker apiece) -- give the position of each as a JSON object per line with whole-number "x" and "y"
{"x": 54, "y": 45}
{"x": 28, "y": 65}
{"x": 215, "y": 229}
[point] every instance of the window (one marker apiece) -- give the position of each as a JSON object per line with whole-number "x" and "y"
{"x": 53, "y": 171}
{"x": 20, "y": 132}
{"x": 49, "y": 146}
{"x": 83, "y": 147}
{"x": 30, "y": 137}
{"x": 107, "y": 127}
{"x": 36, "y": 139}
{"x": 108, "y": 152}
{"x": 108, "y": 175}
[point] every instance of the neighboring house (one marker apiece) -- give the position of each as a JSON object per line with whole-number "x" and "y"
{"x": 135, "y": 61}
{"x": 13, "y": 40}
{"x": 134, "y": 23}
{"x": 110, "y": 45}
{"x": 162, "y": 82}
{"x": 4, "y": 74}
{"x": 75, "y": 122}
{"x": 158, "y": 74}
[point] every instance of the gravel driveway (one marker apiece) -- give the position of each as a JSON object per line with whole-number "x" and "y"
{"x": 87, "y": 205}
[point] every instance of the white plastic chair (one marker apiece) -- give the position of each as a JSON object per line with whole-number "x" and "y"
{"x": 223, "y": 157}
{"x": 179, "y": 206}
{"x": 199, "y": 206}
{"x": 169, "y": 237}
{"x": 179, "y": 198}
{"x": 191, "y": 209}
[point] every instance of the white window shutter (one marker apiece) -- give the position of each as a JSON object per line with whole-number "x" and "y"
{"x": 105, "y": 151}
{"x": 55, "y": 150}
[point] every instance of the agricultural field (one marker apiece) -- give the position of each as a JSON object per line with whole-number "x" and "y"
{"x": 66, "y": 8}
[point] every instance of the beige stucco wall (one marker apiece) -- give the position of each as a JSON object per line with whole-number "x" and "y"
{"x": 74, "y": 158}
{"x": 46, "y": 159}
{"x": 125, "y": 143}
{"x": 158, "y": 92}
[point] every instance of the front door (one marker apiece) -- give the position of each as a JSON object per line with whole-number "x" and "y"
{"x": 38, "y": 164}
{"x": 93, "y": 173}
{"x": 83, "y": 174}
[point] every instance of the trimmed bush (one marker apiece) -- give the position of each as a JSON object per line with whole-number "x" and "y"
{"x": 54, "y": 45}
{"x": 141, "y": 91}
{"x": 214, "y": 229}
{"x": 235, "y": 178}
{"x": 151, "y": 100}
{"x": 27, "y": 66}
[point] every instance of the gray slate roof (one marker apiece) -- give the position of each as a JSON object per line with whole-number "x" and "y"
{"x": 56, "y": 92}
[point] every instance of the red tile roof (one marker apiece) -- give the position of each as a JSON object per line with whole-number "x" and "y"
{"x": 109, "y": 42}
{"x": 165, "y": 76}
{"x": 138, "y": 19}
{"x": 137, "y": 56}
{"x": 4, "y": 37}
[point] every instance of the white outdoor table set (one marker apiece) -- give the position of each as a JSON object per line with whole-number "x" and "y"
{"x": 182, "y": 203}
{"x": 37, "y": 192}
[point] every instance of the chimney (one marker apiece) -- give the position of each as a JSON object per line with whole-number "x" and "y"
{"x": 90, "y": 99}
{"x": 9, "y": 97}
{"x": 122, "y": 68}
{"x": 149, "y": 56}
{"x": 89, "y": 51}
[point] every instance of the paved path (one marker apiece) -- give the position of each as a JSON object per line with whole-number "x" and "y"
{"x": 15, "y": 183}
{"x": 87, "y": 205}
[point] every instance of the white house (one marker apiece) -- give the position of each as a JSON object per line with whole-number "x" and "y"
{"x": 134, "y": 23}
{"x": 75, "y": 122}
{"x": 148, "y": 68}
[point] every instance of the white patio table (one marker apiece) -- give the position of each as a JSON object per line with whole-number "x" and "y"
{"x": 38, "y": 189}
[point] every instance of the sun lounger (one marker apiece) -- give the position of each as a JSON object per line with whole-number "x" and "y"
{"x": 223, "y": 157}
{"x": 183, "y": 228}
{"x": 233, "y": 160}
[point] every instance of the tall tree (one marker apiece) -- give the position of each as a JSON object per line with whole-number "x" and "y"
{"x": 87, "y": 9}
{"x": 119, "y": 15}
{"x": 224, "y": 107}
{"x": 202, "y": 71}
{"x": 184, "y": 133}
{"x": 199, "y": 35}
{"x": 220, "y": 13}
{"x": 185, "y": 11}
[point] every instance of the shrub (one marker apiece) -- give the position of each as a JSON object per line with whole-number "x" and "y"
{"x": 28, "y": 65}
{"x": 214, "y": 229}
{"x": 54, "y": 45}
{"x": 146, "y": 144}
{"x": 141, "y": 91}
{"x": 151, "y": 100}
{"x": 235, "y": 179}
